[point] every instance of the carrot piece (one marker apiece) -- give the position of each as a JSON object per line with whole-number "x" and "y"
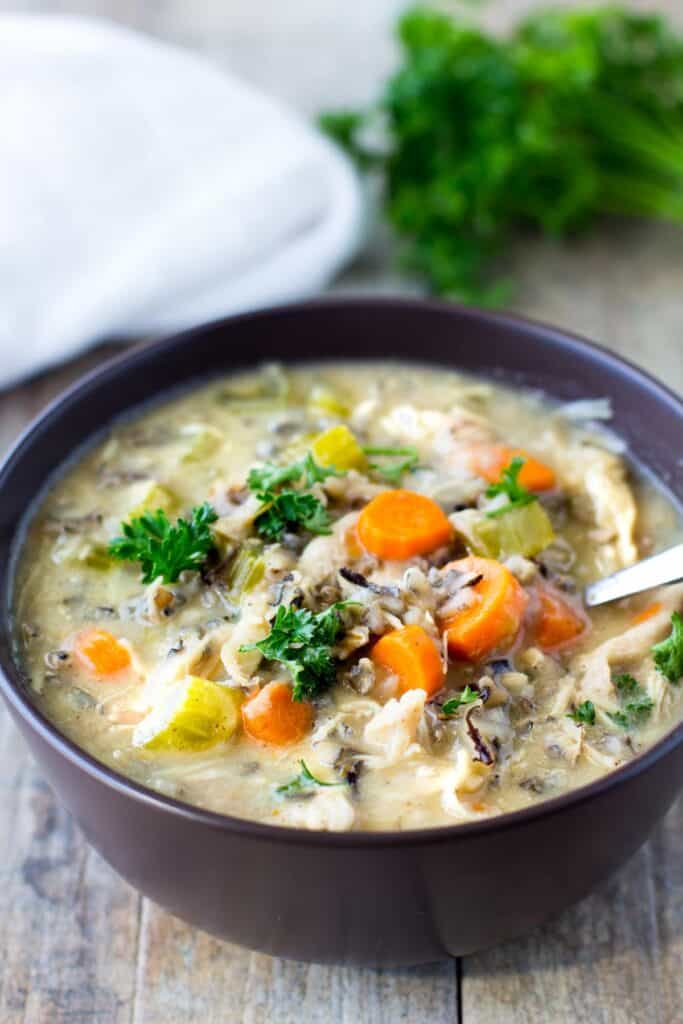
{"x": 490, "y": 461}
{"x": 556, "y": 622}
{"x": 271, "y": 716}
{"x": 411, "y": 654}
{"x": 401, "y": 524}
{"x": 647, "y": 613}
{"x": 100, "y": 653}
{"x": 493, "y": 617}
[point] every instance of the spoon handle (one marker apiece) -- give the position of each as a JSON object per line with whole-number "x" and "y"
{"x": 666, "y": 567}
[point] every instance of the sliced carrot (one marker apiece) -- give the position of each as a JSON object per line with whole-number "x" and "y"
{"x": 647, "y": 613}
{"x": 490, "y": 461}
{"x": 273, "y": 717}
{"x": 100, "y": 653}
{"x": 401, "y": 524}
{"x": 493, "y": 617}
{"x": 412, "y": 655}
{"x": 556, "y": 622}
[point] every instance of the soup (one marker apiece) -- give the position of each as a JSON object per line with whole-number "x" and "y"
{"x": 350, "y": 598}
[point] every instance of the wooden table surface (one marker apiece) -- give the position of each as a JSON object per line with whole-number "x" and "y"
{"x": 78, "y": 945}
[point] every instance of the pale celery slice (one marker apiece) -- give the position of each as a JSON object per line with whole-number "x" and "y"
{"x": 246, "y": 570}
{"x": 148, "y": 496}
{"x": 325, "y": 402}
{"x": 338, "y": 447}
{"x": 203, "y": 441}
{"x": 194, "y": 714}
{"x": 520, "y": 531}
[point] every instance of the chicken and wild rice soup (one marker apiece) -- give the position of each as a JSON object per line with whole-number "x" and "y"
{"x": 350, "y": 598}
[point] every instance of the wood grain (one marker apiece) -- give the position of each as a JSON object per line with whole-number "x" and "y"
{"x": 80, "y": 946}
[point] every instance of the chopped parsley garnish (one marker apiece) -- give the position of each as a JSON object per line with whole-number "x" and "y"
{"x": 165, "y": 549}
{"x": 466, "y": 696}
{"x": 302, "y": 641}
{"x": 584, "y": 714}
{"x": 392, "y": 472}
{"x": 304, "y": 782}
{"x": 290, "y": 509}
{"x": 668, "y": 654}
{"x": 637, "y": 704}
{"x": 509, "y": 485}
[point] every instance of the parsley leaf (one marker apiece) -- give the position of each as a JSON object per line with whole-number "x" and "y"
{"x": 392, "y": 472}
{"x": 638, "y": 706}
{"x": 302, "y": 641}
{"x": 509, "y": 485}
{"x": 163, "y": 549}
{"x": 668, "y": 654}
{"x": 584, "y": 714}
{"x": 289, "y": 509}
{"x": 304, "y": 782}
{"x": 466, "y": 696}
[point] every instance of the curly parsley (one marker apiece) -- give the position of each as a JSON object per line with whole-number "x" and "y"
{"x": 453, "y": 704}
{"x": 584, "y": 713}
{"x": 290, "y": 509}
{"x": 637, "y": 705}
{"x": 668, "y": 654}
{"x": 164, "y": 549}
{"x": 305, "y": 782}
{"x": 509, "y": 485}
{"x": 302, "y": 641}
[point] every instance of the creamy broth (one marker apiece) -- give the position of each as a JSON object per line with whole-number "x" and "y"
{"x": 489, "y": 708}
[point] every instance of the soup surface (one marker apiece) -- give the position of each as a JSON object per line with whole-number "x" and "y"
{"x": 350, "y": 598}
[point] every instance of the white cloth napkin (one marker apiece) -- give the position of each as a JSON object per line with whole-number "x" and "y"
{"x": 144, "y": 189}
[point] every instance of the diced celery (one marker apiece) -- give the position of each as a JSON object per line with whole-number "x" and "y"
{"x": 203, "y": 440}
{"x": 246, "y": 570}
{"x": 149, "y": 496}
{"x": 338, "y": 447}
{"x": 266, "y": 392}
{"x": 327, "y": 403}
{"x": 525, "y": 530}
{"x": 96, "y": 556}
{"x": 194, "y": 714}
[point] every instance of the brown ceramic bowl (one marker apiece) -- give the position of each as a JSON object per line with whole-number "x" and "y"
{"x": 364, "y": 898}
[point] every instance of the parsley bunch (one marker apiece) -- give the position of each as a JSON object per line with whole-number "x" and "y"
{"x": 637, "y": 705}
{"x": 302, "y": 641}
{"x": 479, "y": 139}
{"x": 289, "y": 509}
{"x": 163, "y": 549}
{"x": 509, "y": 485}
{"x": 668, "y": 654}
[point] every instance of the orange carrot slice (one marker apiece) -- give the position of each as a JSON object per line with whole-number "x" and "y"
{"x": 556, "y": 623}
{"x": 412, "y": 655}
{"x": 647, "y": 613}
{"x": 401, "y": 524}
{"x": 100, "y": 653}
{"x": 493, "y": 617}
{"x": 490, "y": 461}
{"x": 272, "y": 717}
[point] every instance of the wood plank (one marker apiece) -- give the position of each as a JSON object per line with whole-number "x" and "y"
{"x": 186, "y": 975}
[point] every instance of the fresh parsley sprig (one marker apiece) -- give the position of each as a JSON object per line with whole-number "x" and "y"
{"x": 302, "y": 641}
{"x": 290, "y": 509}
{"x": 509, "y": 485}
{"x": 637, "y": 705}
{"x": 668, "y": 654}
{"x": 458, "y": 700}
{"x": 305, "y": 782}
{"x": 393, "y": 472}
{"x": 584, "y": 713}
{"x": 165, "y": 549}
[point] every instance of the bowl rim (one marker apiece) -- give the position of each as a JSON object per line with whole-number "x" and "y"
{"x": 12, "y": 686}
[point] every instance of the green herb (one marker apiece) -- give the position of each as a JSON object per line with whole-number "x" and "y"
{"x": 289, "y": 509}
{"x": 477, "y": 139}
{"x": 302, "y": 641}
{"x": 163, "y": 549}
{"x": 637, "y": 707}
{"x": 668, "y": 654}
{"x": 584, "y": 714}
{"x": 509, "y": 485}
{"x": 392, "y": 472}
{"x": 466, "y": 696}
{"x": 304, "y": 782}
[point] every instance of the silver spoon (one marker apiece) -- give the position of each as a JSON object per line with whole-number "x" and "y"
{"x": 666, "y": 567}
